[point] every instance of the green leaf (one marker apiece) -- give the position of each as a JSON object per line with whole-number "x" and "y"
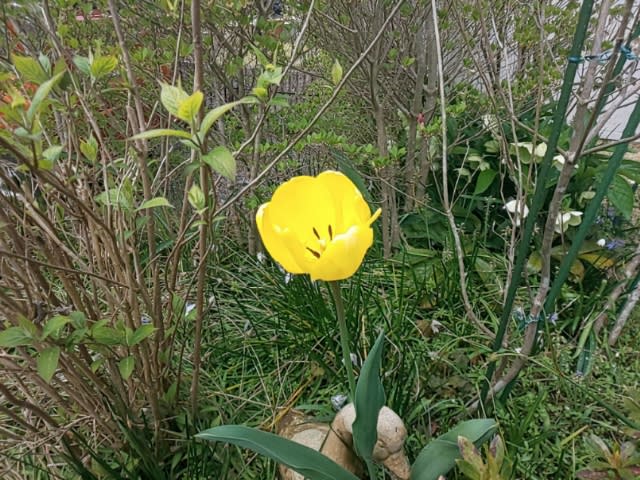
{"x": 196, "y": 197}
{"x": 54, "y": 325}
{"x": 78, "y": 319}
{"x": 48, "y": 362}
{"x": 171, "y": 97}
{"x": 630, "y": 169}
{"x": 271, "y": 76}
{"x": 140, "y": 334}
{"x": 52, "y": 154}
{"x": 125, "y": 366}
{"x": 221, "y": 160}
{"x": 28, "y": 326}
{"x": 89, "y": 149}
{"x": 116, "y": 197}
{"x": 45, "y": 63}
{"x": 262, "y": 59}
{"x": 279, "y": 100}
{"x": 336, "y": 72}
{"x": 484, "y": 181}
{"x": 15, "y": 337}
{"x": 107, "y": 335}
{"x": 161, "y": 132}
{"x": 311, "y": 464}
{"x": 213, "y": 115}
{"x": 83, "y": 64}
{"x": 621, "y": 195}
{"x": 30, "y": 69}
{"x": 155, "y": 202}
{"x": 41, "y": 94}
{"x": 440, "y": 455}
{"x": 102, "y": 65}
{"x": 369, "y": 400}
{"x": 189, "y": 107}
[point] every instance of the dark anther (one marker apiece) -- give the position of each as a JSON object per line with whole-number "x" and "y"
{"x": 315, "y": 232}
{"x": 330, "y": 233}
{"x": 315, "y": 254}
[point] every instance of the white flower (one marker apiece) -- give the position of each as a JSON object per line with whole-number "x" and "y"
{"x": 525, "y": 148}
{"x": 491, "y": 123}
{"x": 602, "y": 242}
{"x": 517, "y": 211}
{"x": 559, "y": 161}
{"x": 566, "y": 220}
{"x": 261, "y": 257}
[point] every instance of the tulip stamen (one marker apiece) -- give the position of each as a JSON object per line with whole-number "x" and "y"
{"x": 315, "y": 254}
{"x": 315, "y": 232}
{"x": 330, "y": 233}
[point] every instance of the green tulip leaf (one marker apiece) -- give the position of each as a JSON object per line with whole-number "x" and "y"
{"x": 308, "y": 462}
{"x": 440, "y": 455}
{"x": 369, "y": 400}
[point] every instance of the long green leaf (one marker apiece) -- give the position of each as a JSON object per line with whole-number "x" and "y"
{"x": 40, "y": 95}
{"x": 440, "y": 455}
{"x": 161, "y": 132}
{"x": 311, "y": 464}
{"x": 213, "y": 115}
{"x": 369, "y": 400}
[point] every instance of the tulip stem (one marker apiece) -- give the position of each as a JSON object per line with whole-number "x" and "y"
{"x": 344, "y": 336}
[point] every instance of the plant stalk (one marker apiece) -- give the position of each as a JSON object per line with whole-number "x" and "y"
{"x": 344, "y": 336}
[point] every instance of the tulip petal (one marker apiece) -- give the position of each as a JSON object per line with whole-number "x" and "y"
{"x": 302, "y": 204}
{"x": 349, "y": 205}
{"x": 343, "y": 255}
{"x": 275, "y": 243}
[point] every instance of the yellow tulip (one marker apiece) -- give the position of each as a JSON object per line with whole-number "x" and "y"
{"x": 317, "y": 225}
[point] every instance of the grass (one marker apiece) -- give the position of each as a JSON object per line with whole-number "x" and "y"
{"x": 272, "y": 345}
